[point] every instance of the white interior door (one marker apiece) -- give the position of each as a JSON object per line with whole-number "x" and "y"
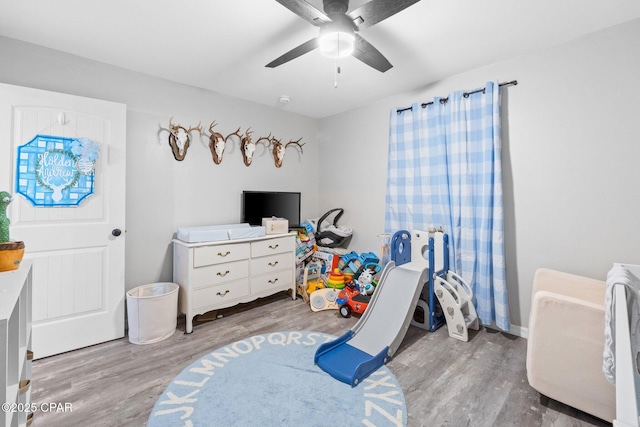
{"x": 78, "y": 271}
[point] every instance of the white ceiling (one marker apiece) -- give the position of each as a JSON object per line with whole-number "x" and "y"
{"x": 223, "y": 46}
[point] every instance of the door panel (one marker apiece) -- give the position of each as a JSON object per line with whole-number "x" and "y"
{"x": 78, "y": 276}
{"x": 70, "y": 283}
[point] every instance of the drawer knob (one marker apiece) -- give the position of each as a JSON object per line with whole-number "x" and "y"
{"x": 273, "y": 264}
{"x": 223, "y": 254}
{"x": 223, "y": 294}
{"x": 221, "y": 274}
{"x": 273, "y": 281}
{"x": 274, "y": 247}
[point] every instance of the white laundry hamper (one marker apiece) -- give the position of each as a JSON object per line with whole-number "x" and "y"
{"x": 152, "y": 312}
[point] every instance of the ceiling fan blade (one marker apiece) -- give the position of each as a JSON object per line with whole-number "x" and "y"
{"x": 377, "y": 10}
{"x": 294, "y": 53}
{"x": 306, "y": 11}
{"x": 365, "y": 52}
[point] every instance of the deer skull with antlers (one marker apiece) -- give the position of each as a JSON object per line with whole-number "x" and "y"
{"x": 278, "y": 149}
{"x": 217, "y": 144}
{"x": 179, "y": 139}
{"x": 248, "y": 146}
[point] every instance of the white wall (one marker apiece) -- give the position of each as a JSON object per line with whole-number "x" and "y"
{"x": 162, "y": 193}
{"x": 570, "y": 158}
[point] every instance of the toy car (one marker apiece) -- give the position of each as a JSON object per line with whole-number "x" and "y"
{"x": 351, "y": 301}
{"x": 355, "y": 297}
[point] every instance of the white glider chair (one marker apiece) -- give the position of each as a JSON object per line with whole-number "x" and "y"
{"x": 566, "y": 342}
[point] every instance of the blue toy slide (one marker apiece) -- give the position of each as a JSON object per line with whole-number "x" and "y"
{"x": 378, "y": 334}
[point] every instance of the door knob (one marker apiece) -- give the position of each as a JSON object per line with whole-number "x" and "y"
{"x": 116, "y": 232}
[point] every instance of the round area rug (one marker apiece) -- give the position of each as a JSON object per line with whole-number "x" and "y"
{"x": 271, "y": 380}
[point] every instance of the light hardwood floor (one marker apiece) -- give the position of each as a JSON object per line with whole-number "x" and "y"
{"x": 445, "y": 382}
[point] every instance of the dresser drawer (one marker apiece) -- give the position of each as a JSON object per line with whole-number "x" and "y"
{"x": 219, "y": 273}
{"x": 208, "y": 255}
{"x": 268, "y": 264}
{"x": 278, "y": 280}
{"x": 219, "y": 295}
{"x": 272, "y": 246}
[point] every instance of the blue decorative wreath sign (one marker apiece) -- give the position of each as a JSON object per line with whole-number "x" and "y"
{"x": 55, "y": 170}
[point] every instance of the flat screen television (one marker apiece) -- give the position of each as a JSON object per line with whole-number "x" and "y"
{"x": 265, "y": 204}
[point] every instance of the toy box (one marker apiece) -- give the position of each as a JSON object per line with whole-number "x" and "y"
{"x": 275, "y": 225}
{"x": 329, "y": 260}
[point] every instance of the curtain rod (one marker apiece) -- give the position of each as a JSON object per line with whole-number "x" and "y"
{"x": 466, "y": 95}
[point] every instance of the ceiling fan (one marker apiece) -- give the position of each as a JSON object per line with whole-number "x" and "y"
{"x": 338, "y": 29}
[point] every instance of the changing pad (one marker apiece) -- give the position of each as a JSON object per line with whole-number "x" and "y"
{"x": 214, "y": 233}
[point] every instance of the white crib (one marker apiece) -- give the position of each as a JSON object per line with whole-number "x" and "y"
{"x": 627, "y": 376}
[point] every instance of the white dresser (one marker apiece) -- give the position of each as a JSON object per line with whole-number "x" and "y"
{"x": 15, "y": 345}
{"x": 215, "y": 275}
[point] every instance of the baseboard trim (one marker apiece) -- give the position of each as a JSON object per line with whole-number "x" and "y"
{"x": 516, "y": 330}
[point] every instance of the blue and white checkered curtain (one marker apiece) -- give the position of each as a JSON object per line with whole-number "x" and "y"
{"x": 445, "y": 170}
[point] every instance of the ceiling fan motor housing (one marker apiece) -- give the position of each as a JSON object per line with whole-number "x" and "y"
{"x": 332, "y": 7}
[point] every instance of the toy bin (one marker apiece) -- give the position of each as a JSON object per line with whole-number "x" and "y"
{"x": 152, "y": 312}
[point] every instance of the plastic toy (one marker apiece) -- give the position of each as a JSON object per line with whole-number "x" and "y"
{"x": 312, "y": 279}
{"x": 448, "y": 293}
{"x": 305, "y": 243}
{"x": 356, "y": 263}
{"x": 348, "y": 276}
{"x": 377, "y": 335}
{"x": 314, "y": 286}
{"x": 359, "y": 264}
{"x": 404, "y": 251}
{"x": 328, "y": 260}
{"x": 323, "y": 299}
{"x": 346, "y": 259}
{"x": 355, "y": 297}
{"x": 336, "y": 280}
{"x": 365, "y": 282}
{"x": 350, "y": 301}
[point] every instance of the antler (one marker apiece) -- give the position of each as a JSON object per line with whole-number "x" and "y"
{"x": 211, "y": 126}
{"x": 198, "y": 128}
{"x": 172, "y": 127}
{"x": 247, "y": 135}
{"x": 236, "y": 133}
{"x": 295, "y": 143}
{"x": 265, "y": 138}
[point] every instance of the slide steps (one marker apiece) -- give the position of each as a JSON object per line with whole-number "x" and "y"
{"x": 455, "y": 298}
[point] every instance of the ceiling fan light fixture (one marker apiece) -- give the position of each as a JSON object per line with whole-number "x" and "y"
{"x": 336, "y": 43}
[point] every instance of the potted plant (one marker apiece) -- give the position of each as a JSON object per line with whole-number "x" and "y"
{"x": 10, "y": 252}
